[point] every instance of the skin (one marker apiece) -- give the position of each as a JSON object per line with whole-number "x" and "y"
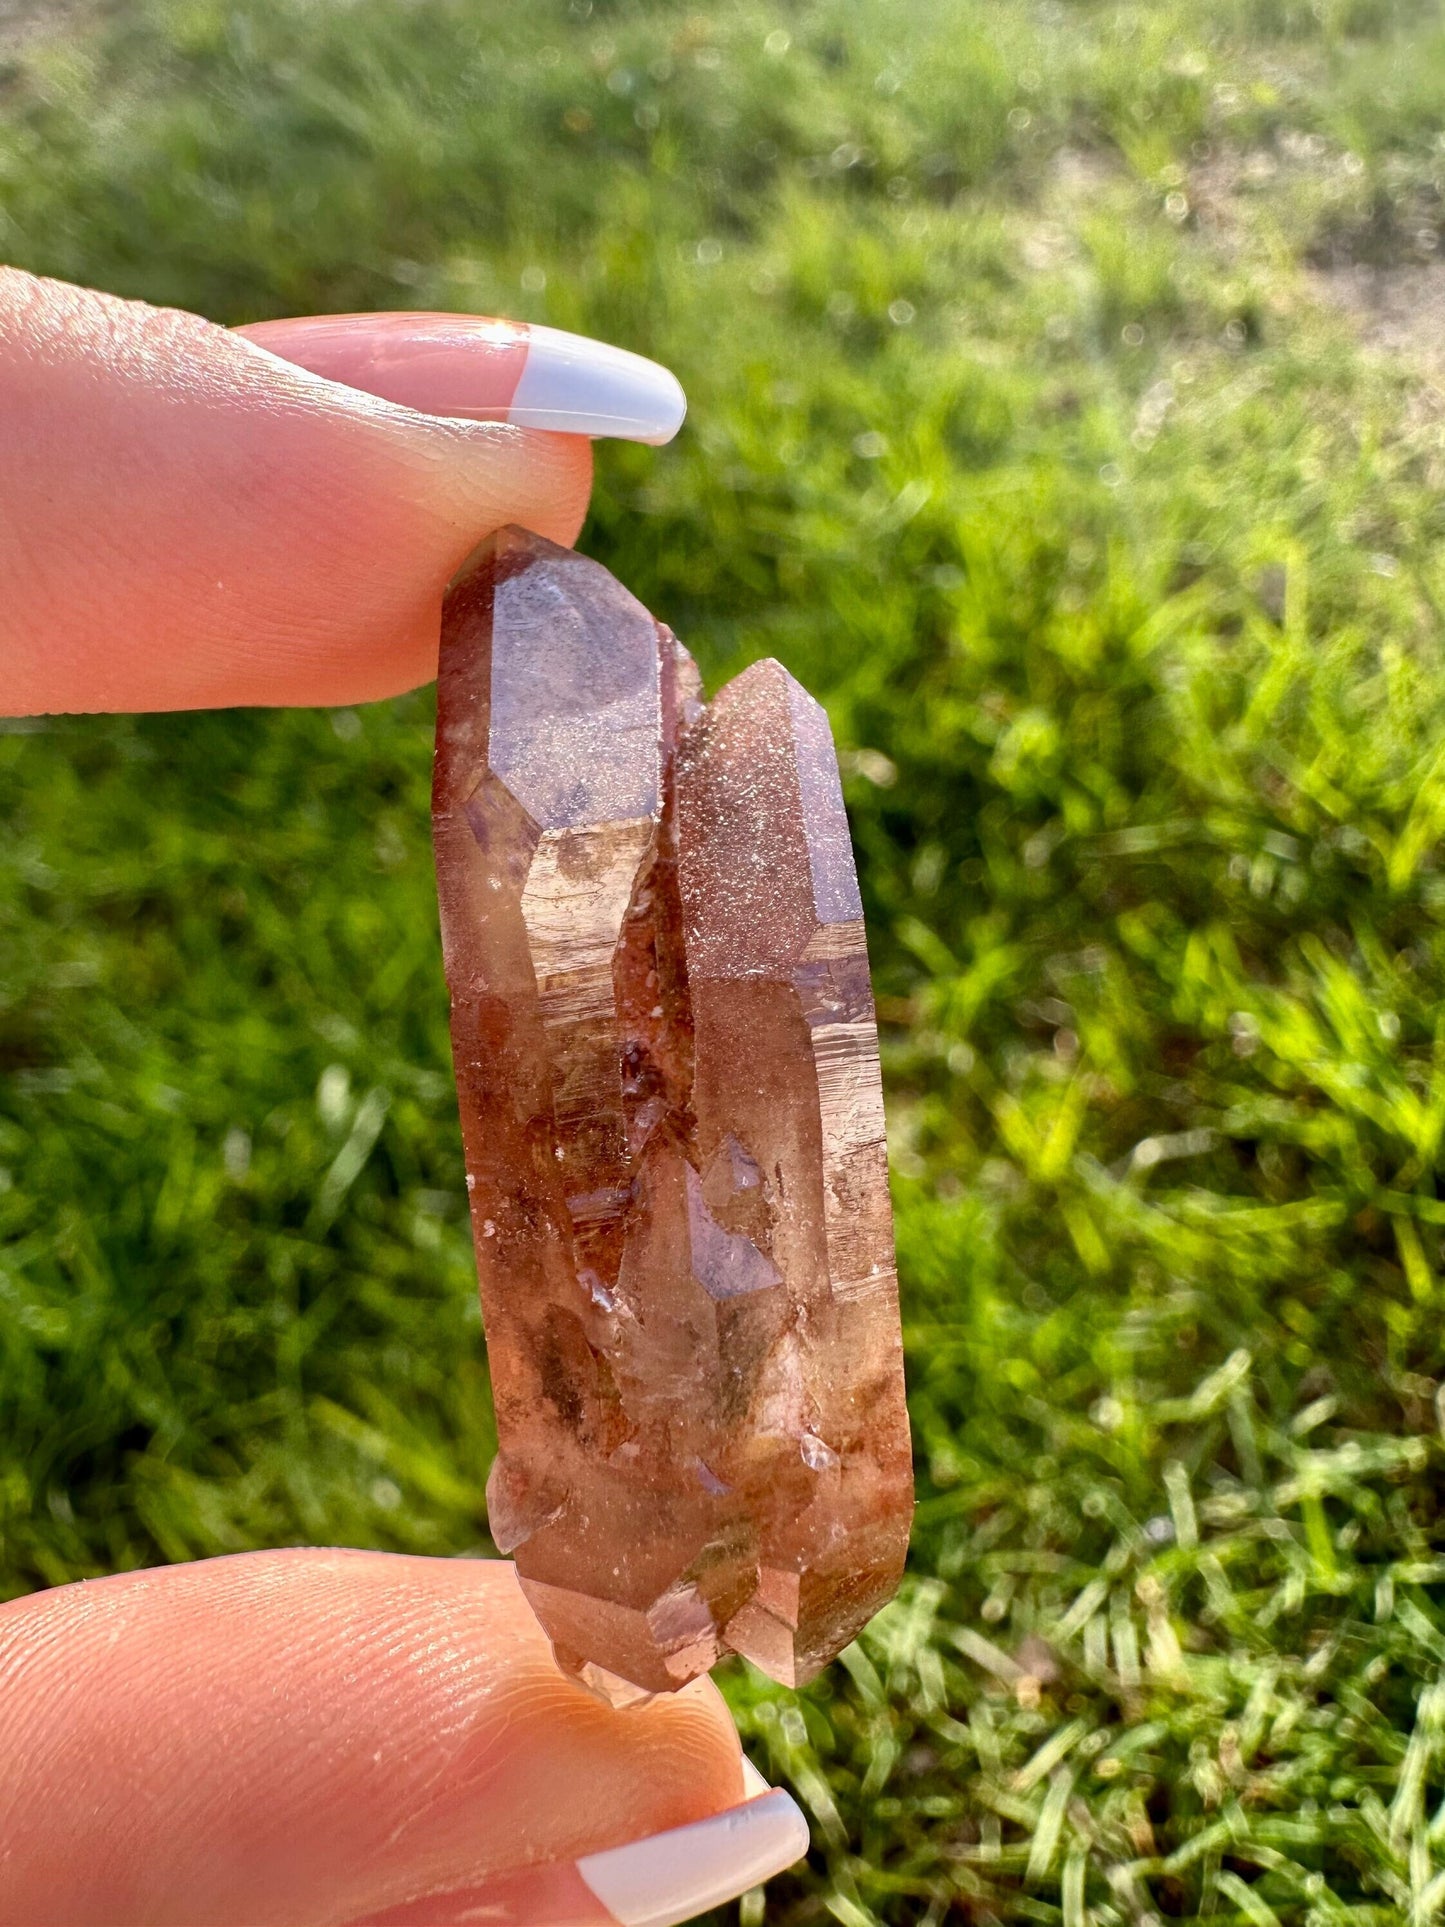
{"x": 299, "y": 1738}
{"x": 187, "y": 522}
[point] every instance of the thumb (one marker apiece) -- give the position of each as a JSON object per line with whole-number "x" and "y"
{"x": 187, "y": 520}
{"x": 326, "y": 1739}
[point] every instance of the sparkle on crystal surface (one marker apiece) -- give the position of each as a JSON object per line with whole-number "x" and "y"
{"x": 668, "y": 1075}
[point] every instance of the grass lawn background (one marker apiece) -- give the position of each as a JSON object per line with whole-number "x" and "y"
{"x": 1025, "y": 430}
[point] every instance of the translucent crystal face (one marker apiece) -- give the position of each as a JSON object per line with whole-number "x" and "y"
{"x": 668, "y": 1073}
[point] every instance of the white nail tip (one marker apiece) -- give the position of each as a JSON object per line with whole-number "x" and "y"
{"x": 672, "y": 1876}
{"x": 583, "y": 387}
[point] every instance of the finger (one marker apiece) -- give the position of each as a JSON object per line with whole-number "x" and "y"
{"x": 186, "y": 520}
{"x": 487, "y": 371}
{"x": 305, "y": 1739}
{"x": 655, "y": 1882}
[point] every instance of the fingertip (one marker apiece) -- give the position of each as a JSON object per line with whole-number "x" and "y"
{"x": 230, "y": 528}
{"x": 313, "y": 1734}
{"x": 553, "y": 484}
{"x": 678, "y": 1753}
{"x": 647, "y": 1768}
{"x": 465, "y": 480}
{"x": 656, "y": 1880}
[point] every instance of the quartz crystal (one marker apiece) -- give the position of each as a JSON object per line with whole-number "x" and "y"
{"x": 667, "y": 1064}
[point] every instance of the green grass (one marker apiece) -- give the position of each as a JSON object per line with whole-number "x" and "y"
{"x": 1018, "y": 434}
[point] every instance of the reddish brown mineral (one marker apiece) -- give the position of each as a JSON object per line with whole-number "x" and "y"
{"x": 668, "y": 1072}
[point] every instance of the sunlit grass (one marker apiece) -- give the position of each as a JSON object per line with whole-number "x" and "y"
{"x": 1016, "y": 433}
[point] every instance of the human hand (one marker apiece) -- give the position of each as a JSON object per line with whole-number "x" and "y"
{"x": 189, "y": 521}
{"x": 313, "y": 1738}
{"x": 310, "y": 1738}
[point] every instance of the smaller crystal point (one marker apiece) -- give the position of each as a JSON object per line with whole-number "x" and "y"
{"x": 787, "y": 1055}
{"x": 668, "y": 1074}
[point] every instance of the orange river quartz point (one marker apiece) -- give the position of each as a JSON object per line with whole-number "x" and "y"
{"x": 667, "y": 1064}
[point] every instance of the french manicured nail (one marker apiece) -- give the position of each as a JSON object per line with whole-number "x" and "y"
{"x": 481, "y": 370}
{"x": 657, "y": 1882}
{"x": 670, "y": 1877}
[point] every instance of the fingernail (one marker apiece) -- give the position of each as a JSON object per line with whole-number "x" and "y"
{"x": 657, "y": 1882}
{"x": 587, "y": 388}
{"x": 480, "y": 370}
{"x": 670, "y": 1877}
